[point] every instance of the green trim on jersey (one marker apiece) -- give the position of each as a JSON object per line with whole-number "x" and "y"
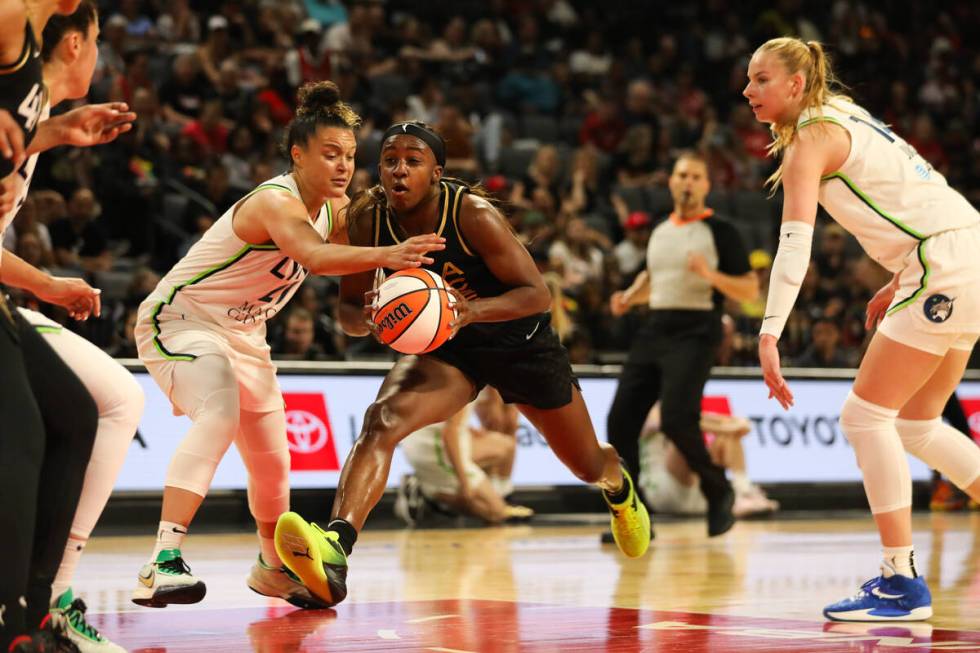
{"x": 923, "y": 281}
{"x": 871, "y": 204}
{"x": 280, "y": 186}
{"x": 810, "y": 121}
{"x": 440, "y": 456}
{"x": 329, "y": 220}
{"x": 44, "y": 328}
{"x": 239, "y": 255}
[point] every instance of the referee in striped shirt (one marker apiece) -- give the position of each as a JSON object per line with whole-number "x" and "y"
{"x": 694, "y": 260}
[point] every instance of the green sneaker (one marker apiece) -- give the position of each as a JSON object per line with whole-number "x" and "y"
{"x": 630, "y": 522}
{"x": 68, "y": 619}
{"x": 167, "y": 580}
{"x": 314, "y": 555}
{"x": 280, "y": 583}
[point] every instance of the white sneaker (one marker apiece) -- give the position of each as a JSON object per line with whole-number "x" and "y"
{"x": 409, "y": 502}
{"x": 753, "y": 501}
{"x": 167, "y": 580}
{"x": 68, "y": 619}
{"x": 282, "y": 584}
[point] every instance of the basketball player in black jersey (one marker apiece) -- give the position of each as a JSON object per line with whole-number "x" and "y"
{"x": 47, "y": 417}
{"x": 502, "y": 338}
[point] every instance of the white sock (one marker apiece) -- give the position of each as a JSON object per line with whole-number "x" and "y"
{"x": 268, "y": 547}
{"x": 740, "y": 482}
{"x": 66, "y": 570}
{"x": 169, "y": 536}
{"x": 898, "y": 560}
{"x": 501, "y": 485}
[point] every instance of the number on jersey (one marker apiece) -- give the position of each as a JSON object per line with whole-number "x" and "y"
{"x": 30, "y": 108}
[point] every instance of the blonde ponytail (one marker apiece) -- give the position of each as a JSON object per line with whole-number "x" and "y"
{"x": 821, "y": 86}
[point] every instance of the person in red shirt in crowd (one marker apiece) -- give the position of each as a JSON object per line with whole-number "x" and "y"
{"x": 603, "y": 127}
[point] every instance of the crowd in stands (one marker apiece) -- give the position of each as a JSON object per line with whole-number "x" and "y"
{"x": 570, "y": 112}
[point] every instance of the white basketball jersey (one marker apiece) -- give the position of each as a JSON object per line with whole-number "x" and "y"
{"x": 885, "y": 194}
{"x": 24, "y": 175}
{"x": 229, "y": 283}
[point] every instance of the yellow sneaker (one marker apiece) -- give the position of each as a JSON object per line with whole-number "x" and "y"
{"x": 630, "y": 522}
{"x": 314, "y": 555}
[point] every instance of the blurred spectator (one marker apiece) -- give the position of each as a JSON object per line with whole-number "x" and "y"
{"x": 304, "y": 63}
{"x": 183, "y": 95}
{"x": 458, "y": 134}
{"x": 297, "y": 338}
{"x": 216, "y": 48}
{"x": 603, "y": 127}
{"x": 138, "y": 24}
{"x": 112, "y": 46}
{"x": 78, "y": 241}
{"x": 426, "y": 104}
{"x": 635, "y": 159}
{"x": 124, "y": 345}
{"x": 543, "y": 173}
{"x": 27, "y": 224}
{"x": 31, "y": 250}
{"x": 208, "y": 131}
{"x": 178, "y": 23}
{"x": 824, "y": 351}
{"x": 631, "y": 252}
{"x": 640, "y": 107}
{"x": 236, "y": 102}
{"x": 239, "y": 158}
{"x": 577, "y": 256}
{"x": 528, "y": 88}
{"x": 594, "y": 60}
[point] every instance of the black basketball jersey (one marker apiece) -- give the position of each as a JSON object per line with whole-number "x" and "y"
{"x": 22, "y": 91}
{"x": 458, "y": 264}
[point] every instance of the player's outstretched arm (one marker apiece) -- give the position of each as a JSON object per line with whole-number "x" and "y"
{"x": 283, "y": 218}
{"x": 92, "y": 124}
{"x": 75, "y": 295}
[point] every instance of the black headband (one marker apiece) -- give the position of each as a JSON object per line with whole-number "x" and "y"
{"x": 427, "y": 136}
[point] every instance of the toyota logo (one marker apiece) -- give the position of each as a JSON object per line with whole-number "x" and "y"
{"x": 974, "y": 420}
{"x": 305, "y": 432}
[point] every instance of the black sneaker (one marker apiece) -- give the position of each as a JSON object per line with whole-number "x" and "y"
{"x": 45, "y": 640}
{"x": 720, "y": 515}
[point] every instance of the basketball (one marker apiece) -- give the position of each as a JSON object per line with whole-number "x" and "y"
{"x": 414, "y": 311}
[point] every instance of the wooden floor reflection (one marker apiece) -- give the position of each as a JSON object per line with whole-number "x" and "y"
{"x": 534, "y": 588}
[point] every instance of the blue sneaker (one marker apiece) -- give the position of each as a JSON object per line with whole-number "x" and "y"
{"x": 896, "y": 598}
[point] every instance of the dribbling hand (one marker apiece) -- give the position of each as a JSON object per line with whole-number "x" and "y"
{"x": 769, "y": 360}
{"x": 370, "y": 307}
{"x": 412, "y": 252}
{"x": 464, "y": 312}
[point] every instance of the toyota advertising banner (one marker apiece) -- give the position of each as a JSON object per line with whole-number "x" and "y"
{"x": 324, "y": 414}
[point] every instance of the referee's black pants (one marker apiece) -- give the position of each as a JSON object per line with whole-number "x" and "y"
{"x": 48, "y": 428}
{"x": 670, "y": 360}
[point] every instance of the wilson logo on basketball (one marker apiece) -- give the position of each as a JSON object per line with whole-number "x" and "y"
{"x": 394, "y": 316}
{"x": 308, "y": 432}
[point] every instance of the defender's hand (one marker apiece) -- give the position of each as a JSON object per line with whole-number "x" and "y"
{"x": 412, "y": 253}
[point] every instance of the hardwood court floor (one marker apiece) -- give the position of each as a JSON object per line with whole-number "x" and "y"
{"x": 540, "y": 588}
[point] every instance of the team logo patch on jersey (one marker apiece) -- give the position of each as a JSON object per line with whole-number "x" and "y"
{"x": 938, "y": 308}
